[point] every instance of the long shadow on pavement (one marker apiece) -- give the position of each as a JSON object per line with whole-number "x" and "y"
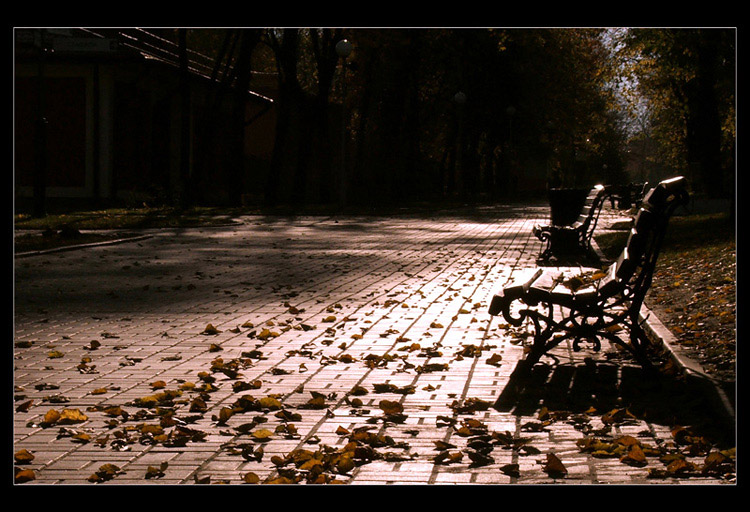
{"x": 665, "y": 400}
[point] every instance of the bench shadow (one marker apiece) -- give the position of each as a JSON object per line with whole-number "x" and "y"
{"x": 661, "y": 400}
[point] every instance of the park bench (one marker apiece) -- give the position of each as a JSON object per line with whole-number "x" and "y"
{"x": 627, "y": 196}
{"x": 595, "y": 304}
{"x": 574, "y": 239}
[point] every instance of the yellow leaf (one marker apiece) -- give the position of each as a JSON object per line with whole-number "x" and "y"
{"x": 152, "y": 429}
{"x": 69, "y": 416}
{"x": 266, "y": 334}
{"x": 344, "y": 464}
{"x": 113, "y": 411}
{"x": 225, "y": 413}
{"x": 310, "y": 464}
{"x": 262, "y": 434}
{"x": 270, "y": 403}
{"x": 251, "y": 478}
{"x": 23, "y": 456}
{"x": 24, "y": 475}
{"x": 81, "y": 437}
{"x": 634, "y": 457}
{"x": 627, "y": 441}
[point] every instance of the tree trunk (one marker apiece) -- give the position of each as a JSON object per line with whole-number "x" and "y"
{"x": 703, "y": 123}
{"x": 184, "y": 199}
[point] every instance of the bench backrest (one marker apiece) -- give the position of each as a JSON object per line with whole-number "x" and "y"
{"x": 589, "y": 215}
{"x": 633, "y": 270}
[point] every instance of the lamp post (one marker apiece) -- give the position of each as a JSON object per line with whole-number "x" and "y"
{"x": 460, "y": 100}
{"x": 40, "y": 132}
{"x": 512, "y": 174}
{"x": 343, "y": 50}
{"x": 511, "y": 111}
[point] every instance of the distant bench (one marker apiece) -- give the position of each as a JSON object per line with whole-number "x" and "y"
{"x": 597, "y": 304}
{"x": 626, "y": 196}
{"x": 576, "y": 238}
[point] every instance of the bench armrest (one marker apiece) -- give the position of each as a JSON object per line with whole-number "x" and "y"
{"x": 516, "y": 290}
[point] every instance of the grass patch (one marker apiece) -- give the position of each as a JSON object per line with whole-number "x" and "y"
{"x": 683, "y": 234}
{"x": 694, "y": 289}
{"x": 123, "y": 218}
{"x": 84, "y": 227}
{"x": 35, "y": 241}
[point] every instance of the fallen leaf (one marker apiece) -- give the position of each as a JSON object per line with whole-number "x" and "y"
{"x": 250, "y": 478}
{"x": 634, "y": 457}
{"x": 24, "y": 475}
{"x": 479, "y": 458}
{"x": 70, "y": 416}
{"x": 262, "y": 435}
{"x": 447, "y": 457}
{"x": 494, "y": 360}
{"x": 511, "y": 470}
{"x": 210, "y": 330}
{"x": 23, "y": 456}
{"x": 442, "y": 445}
{"x": 104, "y": 473}
{"x": 154, "y": 472}
{"x": 391, "y": 407}
{"x": 24, "y": 407}
{"x": 554, "y": 466}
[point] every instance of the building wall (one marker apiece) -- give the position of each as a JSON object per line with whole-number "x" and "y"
{"x": 68, "y": 107}
{"x": 114, "y": 133}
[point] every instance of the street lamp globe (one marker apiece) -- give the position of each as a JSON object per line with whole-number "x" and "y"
{"x": 343, "y": 48}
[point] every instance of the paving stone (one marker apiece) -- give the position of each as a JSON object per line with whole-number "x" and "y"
{"x": 347, "y": 302}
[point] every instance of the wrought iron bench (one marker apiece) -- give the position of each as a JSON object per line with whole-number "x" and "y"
{"x": 596, "y": 304}
{"x": 574, "y": 239}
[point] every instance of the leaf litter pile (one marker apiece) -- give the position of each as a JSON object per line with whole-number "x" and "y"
{"x": 695, "y": 295}
{"x": 694, "y": 289}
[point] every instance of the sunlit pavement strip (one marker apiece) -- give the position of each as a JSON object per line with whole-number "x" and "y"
{"x": 368, "y": 302}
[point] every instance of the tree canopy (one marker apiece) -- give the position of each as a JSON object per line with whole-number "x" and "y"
{"x": 482, "y": 114}
{"x": 535, "y": 104}
{"x": 686, "y": 80}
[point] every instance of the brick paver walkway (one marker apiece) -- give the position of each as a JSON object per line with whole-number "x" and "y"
{"x": 357, "y": 350}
